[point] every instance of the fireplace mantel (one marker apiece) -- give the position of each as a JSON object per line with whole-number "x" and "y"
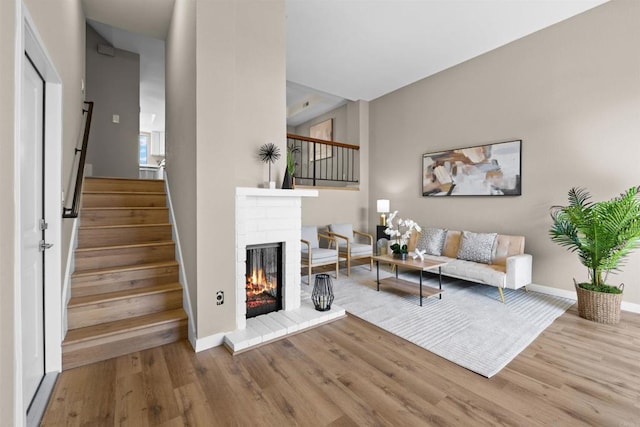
{"x": 275, "y": 192}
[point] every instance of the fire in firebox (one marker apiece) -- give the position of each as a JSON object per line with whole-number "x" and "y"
{"x": 264, "y": 264}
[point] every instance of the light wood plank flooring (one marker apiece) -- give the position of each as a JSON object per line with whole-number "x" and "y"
{"x": 350, "y": 373}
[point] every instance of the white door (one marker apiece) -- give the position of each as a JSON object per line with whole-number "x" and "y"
{"x": 32, "y": 229}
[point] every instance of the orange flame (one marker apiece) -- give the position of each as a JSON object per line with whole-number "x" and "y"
{"x": 257, "y": 283}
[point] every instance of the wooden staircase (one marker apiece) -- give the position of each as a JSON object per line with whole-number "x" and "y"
{"x": 125, "y": 291}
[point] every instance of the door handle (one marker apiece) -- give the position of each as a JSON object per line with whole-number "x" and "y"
{"x": 44, "y": 245}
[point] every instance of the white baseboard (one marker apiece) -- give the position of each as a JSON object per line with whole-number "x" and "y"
{"x": 552, "y": 291}
{"x": 626, "y": 306}
{"x": 210, "y": 341}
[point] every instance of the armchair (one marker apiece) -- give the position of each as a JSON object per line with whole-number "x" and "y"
{"x": 348, "y": 247}
{"x": 313, "y": 255}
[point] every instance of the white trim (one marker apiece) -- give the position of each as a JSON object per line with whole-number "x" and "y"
{"x": 630, "y": 306}
{"x": 275, "y": 192}
{"x": 552, "y": 291}
{"x": 68, "y": 271}
{"x": 183, "y": 277}
{"x": 53, "y": 234}
{"x": 28, "y": 39}
{"x": 210, "y": 341}
{"x": 626, "y": 306}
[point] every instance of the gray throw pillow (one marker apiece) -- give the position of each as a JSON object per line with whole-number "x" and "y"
{"x": 477, "y": 247}
{"x": 432, "y": 240}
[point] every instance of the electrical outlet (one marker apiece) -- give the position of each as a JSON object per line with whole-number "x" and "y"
{"x": 219, "y": 298}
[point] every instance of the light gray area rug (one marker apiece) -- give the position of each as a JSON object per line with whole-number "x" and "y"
{"x": 469, "y": 326}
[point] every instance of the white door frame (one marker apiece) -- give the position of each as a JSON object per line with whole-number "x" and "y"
{"x": 29, "y": 40}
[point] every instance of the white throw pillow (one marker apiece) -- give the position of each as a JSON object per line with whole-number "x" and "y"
{"x": 431, "y": 240}
{"x": 477, "y": 247}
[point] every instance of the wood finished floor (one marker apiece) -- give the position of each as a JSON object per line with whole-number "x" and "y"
{"x": 350, "y": 373}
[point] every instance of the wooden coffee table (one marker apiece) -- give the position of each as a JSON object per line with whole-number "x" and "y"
{"x": 411, "y": 264}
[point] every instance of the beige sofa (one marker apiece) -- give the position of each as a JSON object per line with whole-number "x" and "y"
{"x": 509, "y": 266}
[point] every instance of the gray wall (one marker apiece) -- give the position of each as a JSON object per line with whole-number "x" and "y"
{"x": 571, "y": 92}
{"x": 113, "y": 84}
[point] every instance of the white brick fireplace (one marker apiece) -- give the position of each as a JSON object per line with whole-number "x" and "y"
{"x": 271, "y": 216}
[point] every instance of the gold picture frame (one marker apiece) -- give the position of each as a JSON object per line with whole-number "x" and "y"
{"x": 322, "y": 131}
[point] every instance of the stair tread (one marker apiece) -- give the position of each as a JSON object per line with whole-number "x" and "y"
{"x": 134, "y": 245}
{"x": 124, "y": 268}
{"x": 119, "y": 178}
{"x": 113, "y": 328}
{"x": 112, "y": 192}
{"x": 128, "y": 208}
{"x": 124, "y": 294}
{"x": 105, "y": 227}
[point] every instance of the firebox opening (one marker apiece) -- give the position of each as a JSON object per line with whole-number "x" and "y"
{"x": 264, "y": 279}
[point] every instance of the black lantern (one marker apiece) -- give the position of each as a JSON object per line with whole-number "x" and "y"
{"x": 322, "y": 295}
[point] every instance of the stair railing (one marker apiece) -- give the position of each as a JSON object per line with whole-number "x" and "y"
{"x": 78, "y": 173}
{"x": 324, "y": 163}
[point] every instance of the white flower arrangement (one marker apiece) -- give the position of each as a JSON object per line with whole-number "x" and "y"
{"x": 401, "y": 230}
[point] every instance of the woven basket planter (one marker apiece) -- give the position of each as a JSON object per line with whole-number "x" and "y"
{"x": 599, "y": 306}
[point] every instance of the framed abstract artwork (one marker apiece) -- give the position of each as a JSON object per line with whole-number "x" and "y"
{"x": 483, "y": 170}
{"x": 322, "y": 131}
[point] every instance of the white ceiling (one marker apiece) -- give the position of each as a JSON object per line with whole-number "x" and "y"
{"x": 361, "y": 50}
{"x": 341, "y": 50}
{"x": 148, "y": 17}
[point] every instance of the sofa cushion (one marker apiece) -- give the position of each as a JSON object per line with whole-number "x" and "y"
{"x": 356, "y": 248}
{"x": 493, "y": 275}
{"x": 319, "y": 255}
{"x": 431, "y": 240}
{"x": 452, "y": 244}
{"x": 507, "y": 246}
{"x": 477, "y": 247}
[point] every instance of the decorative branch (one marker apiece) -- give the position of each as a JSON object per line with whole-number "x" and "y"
{"x": 269, "y": 153}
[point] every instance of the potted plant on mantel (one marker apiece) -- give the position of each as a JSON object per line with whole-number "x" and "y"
{"x": 289, "y": 180}
{"x": 603, "y": 234}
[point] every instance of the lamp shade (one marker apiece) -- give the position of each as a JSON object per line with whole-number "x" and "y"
{"x": 383, "y": 206}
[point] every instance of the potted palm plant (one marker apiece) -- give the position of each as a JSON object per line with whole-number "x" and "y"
{"x": 603, "y": 234}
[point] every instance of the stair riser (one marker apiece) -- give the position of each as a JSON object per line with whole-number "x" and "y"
{"x": 118, "y": 345}
{"x": 100, "y": 237}
{"x": 91, "y": 200}
{"x": 93, "y": 314}
{"x": 104, "y": 258}
{"x": 112, "y": 282}
{"x": 124, "y": 216}
{"x": 142, "y": 185}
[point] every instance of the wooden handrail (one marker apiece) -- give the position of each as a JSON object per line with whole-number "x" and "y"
{"x": 75, "y": 206}
{"x": 322, "y": 141}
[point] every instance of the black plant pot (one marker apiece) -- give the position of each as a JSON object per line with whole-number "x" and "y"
{"x": 287, "y": 182}
{"x": 402, "y": 256}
